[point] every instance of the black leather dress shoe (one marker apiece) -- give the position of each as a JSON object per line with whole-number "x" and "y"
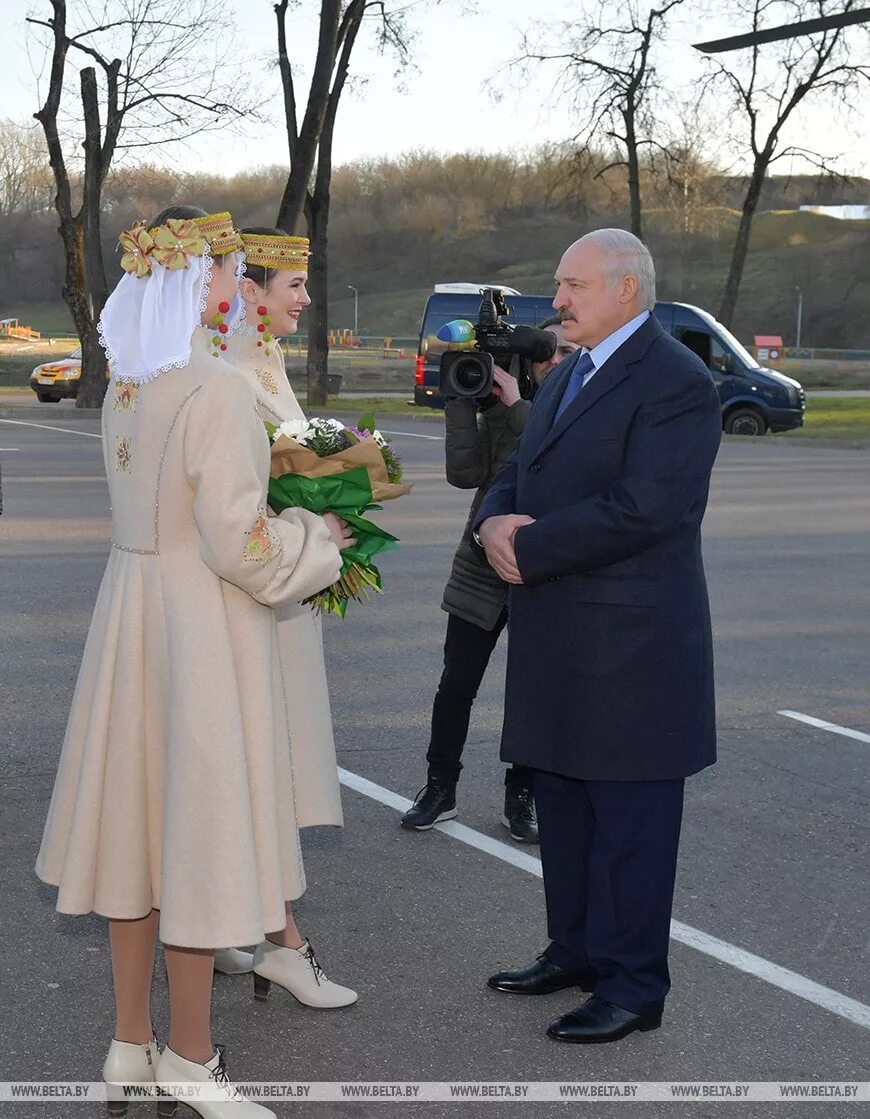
{"x": 598, "y": 1021}
{"x": 543, "y": 977}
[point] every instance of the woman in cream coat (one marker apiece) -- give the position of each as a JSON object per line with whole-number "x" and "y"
{"x": 173, "y": 802}
{"x": 272, "y": 296}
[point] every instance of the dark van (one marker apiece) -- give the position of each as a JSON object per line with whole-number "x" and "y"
{"x": 754, "y": 399}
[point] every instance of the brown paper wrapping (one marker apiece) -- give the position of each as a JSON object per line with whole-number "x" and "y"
{"x": 289, "y": 457}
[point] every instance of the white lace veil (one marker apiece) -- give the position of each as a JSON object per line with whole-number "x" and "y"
{"x": 148, "y": 321}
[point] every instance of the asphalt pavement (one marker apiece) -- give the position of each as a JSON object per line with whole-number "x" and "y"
{"x": 772, "y": 910}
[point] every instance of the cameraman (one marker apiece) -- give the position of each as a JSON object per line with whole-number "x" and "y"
{"x": 481, "y": 435}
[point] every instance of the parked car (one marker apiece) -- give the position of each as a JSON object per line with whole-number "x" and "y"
{"x": 754, "y": 399}
{"x": 59, "y": 379}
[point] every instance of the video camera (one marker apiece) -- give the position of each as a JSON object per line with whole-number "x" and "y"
{"x": 492, "y": 341}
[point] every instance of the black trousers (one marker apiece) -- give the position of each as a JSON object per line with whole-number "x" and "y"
{"x": 609, "y": 855}
{"x": 467, "y": 651}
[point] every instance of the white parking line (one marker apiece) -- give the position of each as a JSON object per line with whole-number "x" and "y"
{"x": 414, "y": 435}
{"x": 46, "y": 427}
{"x": 791, "y": 981}
{"x": 90, "y": 434}
{"x": 847, "y": 732}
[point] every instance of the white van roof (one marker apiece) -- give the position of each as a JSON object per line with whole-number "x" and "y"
{"x": 472, "y": 289}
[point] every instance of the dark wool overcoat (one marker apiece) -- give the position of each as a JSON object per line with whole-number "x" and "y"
{"x": 610, "y": 662}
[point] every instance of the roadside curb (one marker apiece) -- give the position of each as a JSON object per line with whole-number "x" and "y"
{"x": 41, "y": 412}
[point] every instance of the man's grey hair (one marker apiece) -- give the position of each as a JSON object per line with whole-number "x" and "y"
{"x": 627, "y": 256}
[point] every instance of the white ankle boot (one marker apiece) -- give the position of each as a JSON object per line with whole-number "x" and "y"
{"x": 224, "y": 1101}
{"x": 233, "y": 961}
{"x": 297, "y": 970}
{"x": 128, "y": 1063}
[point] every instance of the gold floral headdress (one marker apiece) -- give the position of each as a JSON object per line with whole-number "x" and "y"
{"x": 270, "y": 251}
{"x": 176, "y": 241}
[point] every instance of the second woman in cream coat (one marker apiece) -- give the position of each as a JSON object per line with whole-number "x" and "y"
{"x": 273, "y": 296}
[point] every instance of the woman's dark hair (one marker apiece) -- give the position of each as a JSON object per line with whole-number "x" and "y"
{"x": 554, "y": 321}
{"x": 183, "y": 213}
{"x": 261, "y": 275}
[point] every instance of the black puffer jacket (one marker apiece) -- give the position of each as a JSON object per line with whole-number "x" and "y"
{"x": 476, "y": 446}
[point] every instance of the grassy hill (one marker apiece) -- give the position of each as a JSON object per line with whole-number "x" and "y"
{"x": 395, "y": 270}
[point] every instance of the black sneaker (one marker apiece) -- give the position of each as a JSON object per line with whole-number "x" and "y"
{"x": 435, "y": 802}
{"x": 520, "y": 817}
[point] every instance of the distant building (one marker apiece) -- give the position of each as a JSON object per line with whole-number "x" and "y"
{"x": 845, "y": 213}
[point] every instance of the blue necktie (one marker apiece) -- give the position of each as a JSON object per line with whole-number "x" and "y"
{"x": 579, "y": 373}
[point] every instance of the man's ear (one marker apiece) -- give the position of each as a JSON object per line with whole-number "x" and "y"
{"x": 629, "y": 289}
{"x": 249, "y": 291}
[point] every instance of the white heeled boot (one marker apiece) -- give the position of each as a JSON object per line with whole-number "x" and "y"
{"x": 297, "y": 970}
{"x": 224, "y": 1100}
{"x": 233, "y": 961}
{"x": 127, "y": 1064}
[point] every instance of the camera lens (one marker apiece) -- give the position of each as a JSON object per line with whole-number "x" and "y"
{"x": 469, "y": 375}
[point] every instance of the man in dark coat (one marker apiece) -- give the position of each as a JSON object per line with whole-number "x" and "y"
{"x": 595, "y": 522}
{"x": 480, "y": 437}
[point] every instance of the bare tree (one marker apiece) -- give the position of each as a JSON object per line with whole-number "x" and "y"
{"x": 25, "y": 177}
{"x": 151, "y": 75}
{"x": 768, "y": 84}
{"x": 608, "y": 71}
{"x": 340, "y": 26}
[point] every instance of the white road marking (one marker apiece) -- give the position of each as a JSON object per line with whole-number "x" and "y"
{"x": 414, "y": 435}
{"x": 847, "y": 732}
{"x": 46, "y": 427}
{"x": 791, "y": 981}
{"x": 90, "y": 435}
{"x": 2, "y": 449}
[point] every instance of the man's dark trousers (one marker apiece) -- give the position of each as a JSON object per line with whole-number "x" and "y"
{"x": 467, "y": 652}
{"x": 609, "y": 851}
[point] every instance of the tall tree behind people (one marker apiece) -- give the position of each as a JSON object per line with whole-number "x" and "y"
{"x": 157, "y": 78}
{"x": 340, "y": 25}
{"x": 768, "y": 85}
{"x": 608, "y": 71}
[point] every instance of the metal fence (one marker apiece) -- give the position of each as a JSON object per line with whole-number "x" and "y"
{"x": 804, "y": 353}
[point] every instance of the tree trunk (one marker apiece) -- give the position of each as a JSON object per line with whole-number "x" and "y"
{"x": 92, "y": 386}
{"x": 317, "y": 212}
{"x": 303, "y": 148}
{"x": 633, "y": 171}
{"x": 93, "y": 389}
{"x": 741, "y": 243}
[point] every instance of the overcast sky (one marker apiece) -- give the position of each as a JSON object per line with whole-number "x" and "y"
{"x": 444, "y": 107}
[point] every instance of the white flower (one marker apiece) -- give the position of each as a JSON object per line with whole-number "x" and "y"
{"x": 294, "y": 429}
{"x": 379, "y": 439}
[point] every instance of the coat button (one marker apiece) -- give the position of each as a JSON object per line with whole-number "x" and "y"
{"x": 535, "y": 467}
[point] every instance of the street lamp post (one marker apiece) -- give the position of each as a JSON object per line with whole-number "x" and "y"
{"x": 800, "y": 315}
{"x": 355, "y": 310}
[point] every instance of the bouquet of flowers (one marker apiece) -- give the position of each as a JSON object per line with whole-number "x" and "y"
{"x": 325, "y": 467}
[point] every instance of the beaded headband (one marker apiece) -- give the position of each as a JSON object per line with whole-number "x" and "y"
{"x": 269, "y": 251}
{"x": 221, "y": 234}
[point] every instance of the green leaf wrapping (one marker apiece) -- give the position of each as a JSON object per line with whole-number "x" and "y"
{"x": 348, "y": 495}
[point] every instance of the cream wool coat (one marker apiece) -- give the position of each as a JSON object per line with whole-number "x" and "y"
{"x": 300, "y": 636}
{"x": 174, "y": 789}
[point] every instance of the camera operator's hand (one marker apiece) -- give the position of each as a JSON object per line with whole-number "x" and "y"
{"x": 505, "y": 387}
{"x": 497, "y": 537}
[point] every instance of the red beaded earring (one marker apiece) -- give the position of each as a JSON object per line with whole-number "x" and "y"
{"x": 266, "y": 321}
{"x": 219, "y": 321}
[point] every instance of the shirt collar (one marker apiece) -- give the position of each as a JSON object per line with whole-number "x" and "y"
{"x": 608, "y": 347}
